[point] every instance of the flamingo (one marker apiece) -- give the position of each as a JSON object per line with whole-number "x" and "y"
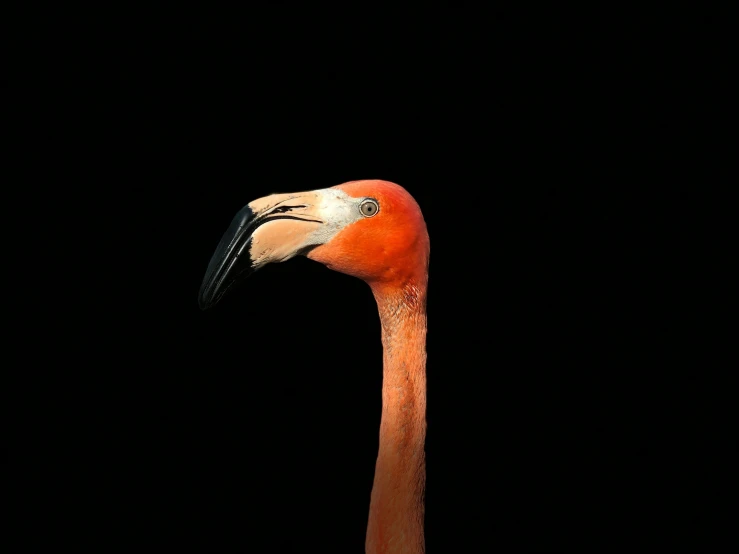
{"x": 373, "y": 230}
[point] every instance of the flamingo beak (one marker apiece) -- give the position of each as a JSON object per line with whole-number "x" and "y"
{"x": 231, "y": 262}
{"x": 271, "y": 229}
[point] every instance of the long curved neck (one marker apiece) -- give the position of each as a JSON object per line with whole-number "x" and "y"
{"x": 397, "y": 502}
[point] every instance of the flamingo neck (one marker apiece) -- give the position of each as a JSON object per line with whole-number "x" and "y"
{"x": 397, "y": 502}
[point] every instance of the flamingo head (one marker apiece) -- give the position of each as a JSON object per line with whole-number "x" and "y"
{"x": 371, "y": 229}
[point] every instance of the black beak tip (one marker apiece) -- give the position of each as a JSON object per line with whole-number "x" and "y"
{"x": 231, "y": 262}
{"x": 213, "y": 291}
{"x": 205, "y": 300}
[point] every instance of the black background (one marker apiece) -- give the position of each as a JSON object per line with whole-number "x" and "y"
{"x": 556, "y": 419}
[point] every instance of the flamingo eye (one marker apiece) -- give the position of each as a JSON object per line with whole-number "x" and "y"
{"x": 369, "y": 207}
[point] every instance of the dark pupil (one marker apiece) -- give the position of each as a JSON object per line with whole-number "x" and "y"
{"x": 369, "y": 208}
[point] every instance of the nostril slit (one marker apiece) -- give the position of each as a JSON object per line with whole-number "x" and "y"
{"x": 283, "y": 209}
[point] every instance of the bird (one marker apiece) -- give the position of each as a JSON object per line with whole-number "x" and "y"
{"x": 373, "y": 230}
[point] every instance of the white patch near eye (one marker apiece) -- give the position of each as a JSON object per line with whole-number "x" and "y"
{"x": 337, "y": 210}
